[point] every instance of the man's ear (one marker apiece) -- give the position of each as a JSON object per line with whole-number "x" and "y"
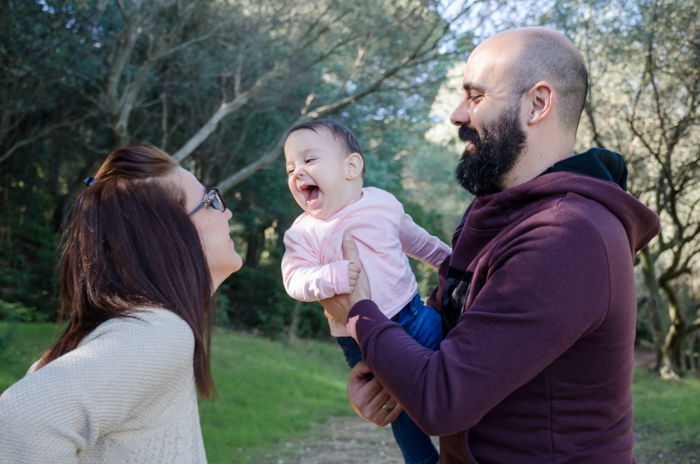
{"x": 540, "y": 102}
{"x": 353, "y": 166}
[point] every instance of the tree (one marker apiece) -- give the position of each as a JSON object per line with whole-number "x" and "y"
{"x": 217, "y": 84}
{"x": 644, "y": 61}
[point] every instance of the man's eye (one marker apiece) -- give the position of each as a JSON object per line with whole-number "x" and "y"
{"x": 475, "y": 98}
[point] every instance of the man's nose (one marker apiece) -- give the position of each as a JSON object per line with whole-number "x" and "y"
{"x": 460, "y": 115}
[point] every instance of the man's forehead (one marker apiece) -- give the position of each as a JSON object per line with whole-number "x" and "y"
{"x": 487, "y": 68}
{"x": 472, "y": 86}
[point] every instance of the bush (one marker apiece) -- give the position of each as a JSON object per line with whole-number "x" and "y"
{"x": 255, "y": 299}
{"x": 17, "y": 312}
{"x": 28, "y": 263}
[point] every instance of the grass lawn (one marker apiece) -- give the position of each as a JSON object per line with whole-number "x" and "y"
{"x": 667, "y": 419}
{"x": 20, "y": 346}
{"x": 267, "y": 392}
{"x": 270, "y": 392}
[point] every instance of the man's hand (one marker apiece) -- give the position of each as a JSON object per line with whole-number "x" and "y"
{"x": 368, "y": 397}
{"x": 354, "y": 271}
{"x": 339, "y": 306}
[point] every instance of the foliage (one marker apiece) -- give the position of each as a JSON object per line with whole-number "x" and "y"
{"x": 215, "y": 83}
{"x": 644, "y": 102}
{"x": 28, "y": 280}
{"x": 258, "y": 300}
{"x": 15, "y": 312}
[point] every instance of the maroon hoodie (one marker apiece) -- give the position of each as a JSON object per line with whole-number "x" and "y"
{"x": 538, "y": 365}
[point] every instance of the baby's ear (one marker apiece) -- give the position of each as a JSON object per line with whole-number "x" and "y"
{"x": 353, "y": 166}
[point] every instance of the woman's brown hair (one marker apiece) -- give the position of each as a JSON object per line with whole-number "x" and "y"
{"x": 128, "y": 243}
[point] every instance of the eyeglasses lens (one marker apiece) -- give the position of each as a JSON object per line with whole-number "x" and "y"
{"x": 217, "y": 201}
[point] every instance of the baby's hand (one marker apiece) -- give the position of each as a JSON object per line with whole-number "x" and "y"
{"x": 353, "y": 275}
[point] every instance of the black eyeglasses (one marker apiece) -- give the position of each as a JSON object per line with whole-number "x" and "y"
{"x": 214, "y": 199}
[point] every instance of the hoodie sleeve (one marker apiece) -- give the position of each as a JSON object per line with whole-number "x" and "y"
{"x": 527, "y": 313}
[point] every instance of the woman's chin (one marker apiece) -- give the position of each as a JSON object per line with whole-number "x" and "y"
{"x": 238, "y": 265}
{"x": 218, "y": 276}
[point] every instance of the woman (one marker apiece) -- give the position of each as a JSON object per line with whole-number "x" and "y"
{"x": 145, "y": 247}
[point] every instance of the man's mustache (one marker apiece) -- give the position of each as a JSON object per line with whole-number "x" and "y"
{"x": 468, "y": 134}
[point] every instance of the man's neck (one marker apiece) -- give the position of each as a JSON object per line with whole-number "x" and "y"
{"x": 531, "y": 164}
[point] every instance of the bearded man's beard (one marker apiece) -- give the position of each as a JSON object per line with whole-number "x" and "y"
{"x": 481, "y": 170}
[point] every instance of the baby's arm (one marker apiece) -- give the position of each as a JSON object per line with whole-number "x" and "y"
{"x": 418, "y": 243}
{"x": 305, "y": 279}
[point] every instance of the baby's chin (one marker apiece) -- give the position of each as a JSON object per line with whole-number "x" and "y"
{"x": 320, "y": 213}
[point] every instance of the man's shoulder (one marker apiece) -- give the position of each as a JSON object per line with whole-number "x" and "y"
{"x": 575, "y": 219}
{"x": 581, "y": 210}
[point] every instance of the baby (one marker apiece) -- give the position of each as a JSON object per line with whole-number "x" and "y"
{"x": 325, "y": 169}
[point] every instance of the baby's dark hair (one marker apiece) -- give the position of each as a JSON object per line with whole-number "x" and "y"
{"x": 339, "y": 131}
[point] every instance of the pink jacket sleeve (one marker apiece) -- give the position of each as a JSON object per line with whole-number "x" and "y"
{"x": 305, "y": 279}
{"x": 418, "y": 243}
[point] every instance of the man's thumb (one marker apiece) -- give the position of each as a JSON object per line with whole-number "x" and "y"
{"x": 350, "y": 250}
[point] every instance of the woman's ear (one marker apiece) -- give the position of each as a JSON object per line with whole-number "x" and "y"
{"x": 540, "y": 100}
{"x": 354, "y": 164}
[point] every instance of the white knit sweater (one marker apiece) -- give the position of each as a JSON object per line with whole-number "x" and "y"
{"x": 126, "y": 394}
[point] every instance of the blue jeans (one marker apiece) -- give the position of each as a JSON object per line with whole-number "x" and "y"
{"x": 424, "y": 324}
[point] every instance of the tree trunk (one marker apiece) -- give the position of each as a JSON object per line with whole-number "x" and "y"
{"x": 655, "y": 304}
{"x": 255, "y": 242}
{"x": 672, "y": 354}
{"x": 292, "y": 333}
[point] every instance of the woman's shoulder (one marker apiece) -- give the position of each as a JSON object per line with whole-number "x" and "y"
{"x": 145, "y": 327}
{"x": 143, "y": 317}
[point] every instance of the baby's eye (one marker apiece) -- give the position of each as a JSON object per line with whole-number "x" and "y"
{"x": 309, "y": 160}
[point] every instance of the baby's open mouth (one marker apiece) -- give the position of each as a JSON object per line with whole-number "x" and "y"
{"x": 310, "y": 193}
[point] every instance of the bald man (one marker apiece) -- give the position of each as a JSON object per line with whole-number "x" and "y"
{"x": 538, "y": 296}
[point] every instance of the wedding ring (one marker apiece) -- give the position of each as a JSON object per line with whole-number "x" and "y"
{"x": 387, "y": 408}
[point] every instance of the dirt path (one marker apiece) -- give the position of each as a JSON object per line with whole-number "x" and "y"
{"x": 346, "y": 440}
{"x": 351, "y": 440}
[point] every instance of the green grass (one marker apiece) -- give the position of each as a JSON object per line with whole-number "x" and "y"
{"x": 269, "y": 392}
{"x": 667, "y": 419}
{"x": 21, "y": 345}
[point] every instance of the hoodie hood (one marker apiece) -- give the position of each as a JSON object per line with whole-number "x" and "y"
{"x": 597, "y": 174}
{"x": 597, "y": 162}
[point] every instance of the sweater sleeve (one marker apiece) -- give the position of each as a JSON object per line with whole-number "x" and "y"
{"x": 527, "y": 314}
{"x": 418, "y": 243}
{"x": 119, "y": 371}
{"x": 307, "y": 280}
